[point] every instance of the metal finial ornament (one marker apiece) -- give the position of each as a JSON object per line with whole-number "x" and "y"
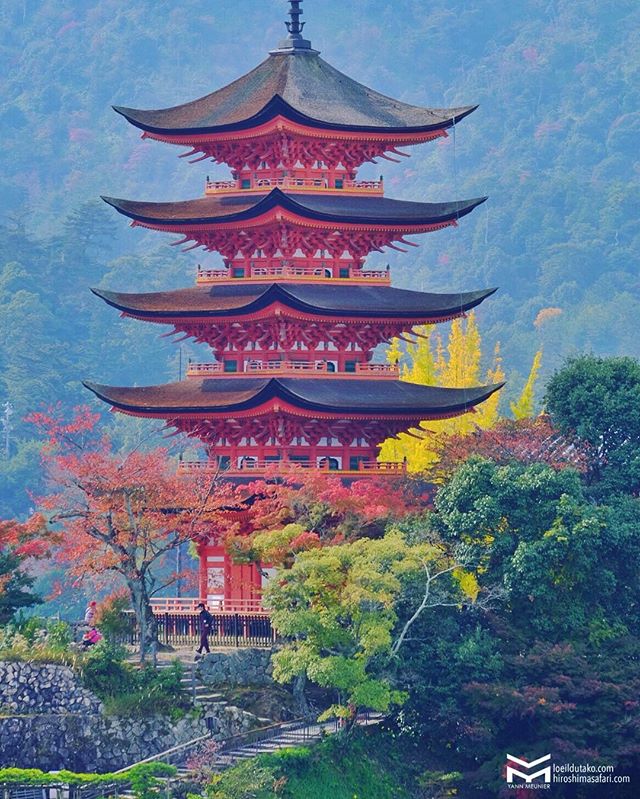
{"x": 295, "y": 12}
{"x": 294, "y": 43}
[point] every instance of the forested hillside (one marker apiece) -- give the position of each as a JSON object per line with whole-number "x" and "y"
{"x": 554, "y": 144}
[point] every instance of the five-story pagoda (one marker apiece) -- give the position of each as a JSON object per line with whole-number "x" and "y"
{"x": 294, "y": 316}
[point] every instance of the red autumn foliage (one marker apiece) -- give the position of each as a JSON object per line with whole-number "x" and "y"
{"x": 118, "y": 514}
{"x": 334, "y": 506}
{"x": 25, "y": 539}
{"x": 526, "y": 441}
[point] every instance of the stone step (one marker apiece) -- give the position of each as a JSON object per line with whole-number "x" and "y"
{"x": 204, "y": 695}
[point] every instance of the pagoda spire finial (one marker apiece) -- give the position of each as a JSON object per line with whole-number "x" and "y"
{"x": 295, "y": 12}
{"x": 294, "y": 41}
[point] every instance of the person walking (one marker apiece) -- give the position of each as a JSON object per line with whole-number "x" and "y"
{"x": 207, "y": 626}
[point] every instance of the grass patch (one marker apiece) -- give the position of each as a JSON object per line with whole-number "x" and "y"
{"x": 128, "y": 691}
{"x": 368, "y": 765}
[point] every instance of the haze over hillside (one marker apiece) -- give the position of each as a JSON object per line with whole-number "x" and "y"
{"x": 554, "y": 144}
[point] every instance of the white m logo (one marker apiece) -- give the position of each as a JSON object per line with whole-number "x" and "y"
{"x": 512, "y": 772}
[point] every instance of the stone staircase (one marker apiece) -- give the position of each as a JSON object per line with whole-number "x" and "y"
{"x": 268, "y": 737}
{"x": 211, "y": 702}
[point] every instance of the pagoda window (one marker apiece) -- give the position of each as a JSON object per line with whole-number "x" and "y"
{"x": 332, "y": 366}
{"x": 299, "y": 458}
{"x": 355, "y": 461}
{"x": 224, "y": 461}
{"x": 344, "y": 271}
{"x": 333, "y": 464}
{"x": 237, "y": 271}
{"x": 350, "y": 366}
{"x": 339, "y": 184}
{"x": 245, "y": 183}
{"x": 328, "y": 273}
{"x": 272, "y": 458}
{"x": 247, "y": 462}
{"x": 231, "y": 366}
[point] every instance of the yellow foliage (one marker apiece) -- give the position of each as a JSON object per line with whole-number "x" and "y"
{"x": 524, "y": 407}
{"x": 488, "y": 413}
{"x": 467, "y": 582}
{"x": 394, "y": 352}
{"x": 457, "y": 366}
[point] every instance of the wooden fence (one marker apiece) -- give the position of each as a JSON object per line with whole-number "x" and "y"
{"x": 230, "y": 629}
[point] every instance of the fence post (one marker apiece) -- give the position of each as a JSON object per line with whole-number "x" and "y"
{"x": 236, "y": 624}
{"x": 166, "y": 628}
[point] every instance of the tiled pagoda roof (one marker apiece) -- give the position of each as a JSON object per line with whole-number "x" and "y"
{"x": 302, "y": 87}
{"x": 325, "y": 299}
{"x": 390, "y": 399}
{"x": 344, "y": 208}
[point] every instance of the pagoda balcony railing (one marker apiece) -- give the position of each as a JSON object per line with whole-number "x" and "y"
{"x": 295, "y": 184}
{"x": 174, "y": 604}
{"x": 250, "y": 466}
{"x": 290, "y": 272}
{"x": 297, "y": 368}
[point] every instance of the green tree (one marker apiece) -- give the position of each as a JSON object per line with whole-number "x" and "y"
{"x": 15, "y": 586}
{"x": 597, "y": 400}
{"x": 337, "y": 608}
{"x": 566, "y": 565}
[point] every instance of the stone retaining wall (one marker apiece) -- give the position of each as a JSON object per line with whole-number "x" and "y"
{"x": 235, "y": 668}
{"x": 42, "y": 688}
{"x": 49, "y": 721}
{"x": 52, "y": 741}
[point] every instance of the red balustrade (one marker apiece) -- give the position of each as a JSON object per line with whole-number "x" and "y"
{"x": 294, "y": 184}
{"x": 249, "y": 464}
{"x": 307, "y": 368}
{"x": 299, "y": 273}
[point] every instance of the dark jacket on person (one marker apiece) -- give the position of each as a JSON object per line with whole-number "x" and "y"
{"x": 207, "y": 622}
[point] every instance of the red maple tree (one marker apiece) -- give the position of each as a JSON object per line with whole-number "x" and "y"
{"x": 525, "y": 441}
{"x": 109, "y": 513}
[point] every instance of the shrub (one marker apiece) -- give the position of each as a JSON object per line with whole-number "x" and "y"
{"x": 113, "y": 623}
{"x": 105, "y": 673}
{"x": 127, "y": 691}
{"x": 35, "y": 777}
{"x": 201, "y": 761}
{"x": 144, "y": 779}
{"x": 59, "y": 635}
{"x": 16, "y": 647}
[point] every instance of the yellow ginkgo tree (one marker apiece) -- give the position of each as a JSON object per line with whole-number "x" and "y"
{"x": 456, "y": 364}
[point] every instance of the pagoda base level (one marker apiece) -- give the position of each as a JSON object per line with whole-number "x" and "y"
{"x": 228, "y": 586}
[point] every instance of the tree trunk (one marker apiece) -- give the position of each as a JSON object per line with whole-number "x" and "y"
{"x": 300, "y": 699}
{"x": 145, "y": 619}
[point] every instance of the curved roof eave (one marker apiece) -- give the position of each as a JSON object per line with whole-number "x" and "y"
{"x": 314, "y": 300}
{"x": 277, "y": 106}
{"x": 388, "y": 399}
{"x": 345, "y": 209}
